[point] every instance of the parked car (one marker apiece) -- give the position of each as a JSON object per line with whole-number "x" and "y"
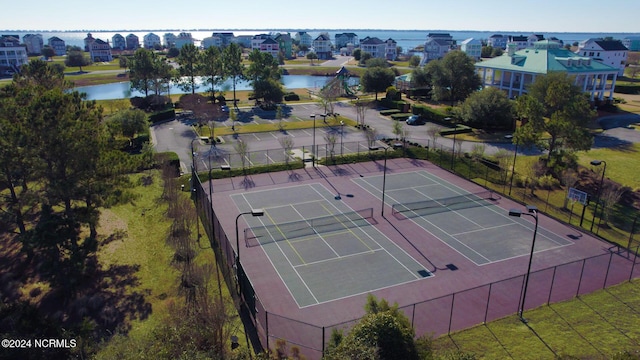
{"x": 415, "y": 120}
{"x": 224, "y": 108}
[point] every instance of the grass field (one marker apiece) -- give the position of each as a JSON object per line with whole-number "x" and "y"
{"x": 594, "y": 326}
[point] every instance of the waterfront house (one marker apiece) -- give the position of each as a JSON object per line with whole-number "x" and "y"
{"x": 88, "y": 41}
{"x": 373, "y": 46}
{"x": 256, "y": 40}
{"x": 520, "y": 41}
{"x": 303, "y": 38}
{"x": 133, "y": 42}
{"x": 497, "y": 41}
{"x": 534, "y": 38}
{"x": 516, "y": 69}
{"x": 285, "y": 44}
{"x": 169, "y": 40}
{"x": 151, "y": 41}
{"x": 210, "y": 41}
{"x": 34, "y": 43}
{"x": 632, "y": 43}
{"x": 322, "y": 46}
{"x": 472, "y": 47}
{"x": 100, "y": 50}
{"x": 118, "y": 42}
{"x": 436, "y": 47}
{"x": 183, "y": 39}
{"x": 391, "y": 49}
{"x": 342, "y": 39}
{"x": 269, "y": 46}
{"x": 12, "y": 54}
{"x": 225, "y": 37}
{"x": 58, "y": 45}
{"x": 610, "y": 52}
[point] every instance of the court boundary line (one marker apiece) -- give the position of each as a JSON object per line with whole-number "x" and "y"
{"x": 314, "y": 230}
{"x": 374, "y": 240}
{"x": 339, "y": 257}
{"x": 457, "y": 189}
{"x": 275, "y": 268}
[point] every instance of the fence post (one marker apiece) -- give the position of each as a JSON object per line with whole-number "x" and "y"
{"x": 486, "y": 311}
{"x": 266, "y": 327}
{"x": 453, "y": 299}
{"x": 413, "y": 317}
{"x": 584, "y": 261}
{"x": 606, "y": 275}
{"x": 553, "y": 279}
{"x": 323, "y": 340}
{"x": 633, "y": 228}
{"x": 633, "y": 265}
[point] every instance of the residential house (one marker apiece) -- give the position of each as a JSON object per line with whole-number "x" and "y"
{"x": 472, "y": 47}
{"x": 516, "y": 69}
{"x": 100, "y": 50}
{"x": 243, "y": 40}
{"x": 88, "y": 41}
{"x": 610, "y": 52}
{"x": 151, "y": 41}
{"x": 58, "y": 45}
{"x": 632, "y": 43}
{"x": 210, "y": 41}
{"x": 391, "y": 49}
{"x": 497, "y": 41}
{"x": 303, "y": 38}
{"x": 225, "y": 37}
{"x": 256, "y": 40}
{"x": 183, "y": 39}
{"x": 118, "y": 42}
{"x": 520, "y": 41}
{"x": 34, "y": 43}
{"x": 133, "y": 42}
{"x": 322, "y": 47}
{"x": 534, "y": 38}
{"x": 270, "y": 46}
{"x": 169, "y": 40}
{"x": 285, "y": 43}
{"x": 553, "y": 38}
{"x": 343, "y": 39}
{"x": 436, "y": 47}
{"x": 374, "y": 46}
{"x": 12, "y": 54}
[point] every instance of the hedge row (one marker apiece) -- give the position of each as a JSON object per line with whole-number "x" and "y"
{"x": 162, "y": 115}
{"x": 389, "y": 112}
{"x": 628, "y": 89}
{"x": 428, "y": 113}
{"x": 459, "y": 129}
{"x": 259, "y": 169}
{"x": 400, "y": 116}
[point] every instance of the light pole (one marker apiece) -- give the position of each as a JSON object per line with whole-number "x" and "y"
{"x": 313, "y": 148}
{"x": 533, "y": 212}
{"x": 453, "y": 148}
{"x": 513, "y": 166}
{"x": 341, "y": 137}
{"x": 595, "y": 211}
{"x": 384, "y": 174}
{"x": 253, "y": 212}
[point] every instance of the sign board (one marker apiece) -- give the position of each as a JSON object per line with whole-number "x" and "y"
{"x": 578, "y": 196}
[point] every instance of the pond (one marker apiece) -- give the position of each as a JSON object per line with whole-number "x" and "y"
{"x": 122, "y": 90}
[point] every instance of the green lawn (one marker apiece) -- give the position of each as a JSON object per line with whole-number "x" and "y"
{"x": 594, "y": 326}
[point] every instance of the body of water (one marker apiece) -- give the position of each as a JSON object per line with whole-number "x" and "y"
{"x": 407, "y": 39}
{"x": 122, "y": 90}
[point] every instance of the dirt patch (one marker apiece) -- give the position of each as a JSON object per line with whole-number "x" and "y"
{"x": 113, "y": 229}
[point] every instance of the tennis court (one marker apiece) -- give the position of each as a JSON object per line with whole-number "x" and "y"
{"x": 471, "y": 223}
{"x": 321, "y": 248}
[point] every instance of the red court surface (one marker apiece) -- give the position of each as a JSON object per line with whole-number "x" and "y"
{"x": 453, "y": 271}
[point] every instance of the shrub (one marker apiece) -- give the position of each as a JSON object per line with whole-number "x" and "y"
{"x": 400, "y": 116}
{"x": 291, "y": 97}
{"x": 389, "y": 112}
{"x": 162, "y": 115}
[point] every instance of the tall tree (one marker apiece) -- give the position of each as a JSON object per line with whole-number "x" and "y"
{"x": 556, "y": 107}
{"x": 489, "y": 108}
{"x": 377, "y": 79}
{"x": 263, "y": 66}
{"x": 233, "y": 67}
{"x": 43, "y": 75}
{"x": 189, "y": 61}
{"x": 453, "y": 77}
{"x": 76, "y": 58}
{"x": 129, "y": 123}
{"x": 211, "y": 68}
{"x": 142, "y": 70}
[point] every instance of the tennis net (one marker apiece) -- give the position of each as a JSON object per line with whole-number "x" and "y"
{"x": 262, "y": 235}
{"x": 435, "y": 206}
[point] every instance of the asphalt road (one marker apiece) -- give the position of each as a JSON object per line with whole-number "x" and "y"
{"x": 178, "y": 136}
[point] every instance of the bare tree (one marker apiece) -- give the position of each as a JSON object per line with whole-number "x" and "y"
{"x": 372, "y": 135}
{"x": 287, "y": 144}
{"x": 361, "y": 111}
{"x": 433, "y": 133}
{"x": 569, "y": 177}
{"x": 331, "y": 138}
{"x": 477, "y": 151}
{"x": 242, "y": 149}
{"x": 398, "y": 128}
{"x": 504, "y": 158}
{"x": 611, "y": 194}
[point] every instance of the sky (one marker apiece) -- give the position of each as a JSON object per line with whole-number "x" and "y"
{"x": 613, "y": 16}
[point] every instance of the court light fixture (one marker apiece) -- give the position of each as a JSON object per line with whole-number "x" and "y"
{"x": 253, "y": 212}
{"x": 532, "y": 211}
{"x": 595, "y": 211}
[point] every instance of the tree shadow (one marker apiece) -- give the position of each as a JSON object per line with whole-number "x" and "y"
{"x": 247, "y": 182}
